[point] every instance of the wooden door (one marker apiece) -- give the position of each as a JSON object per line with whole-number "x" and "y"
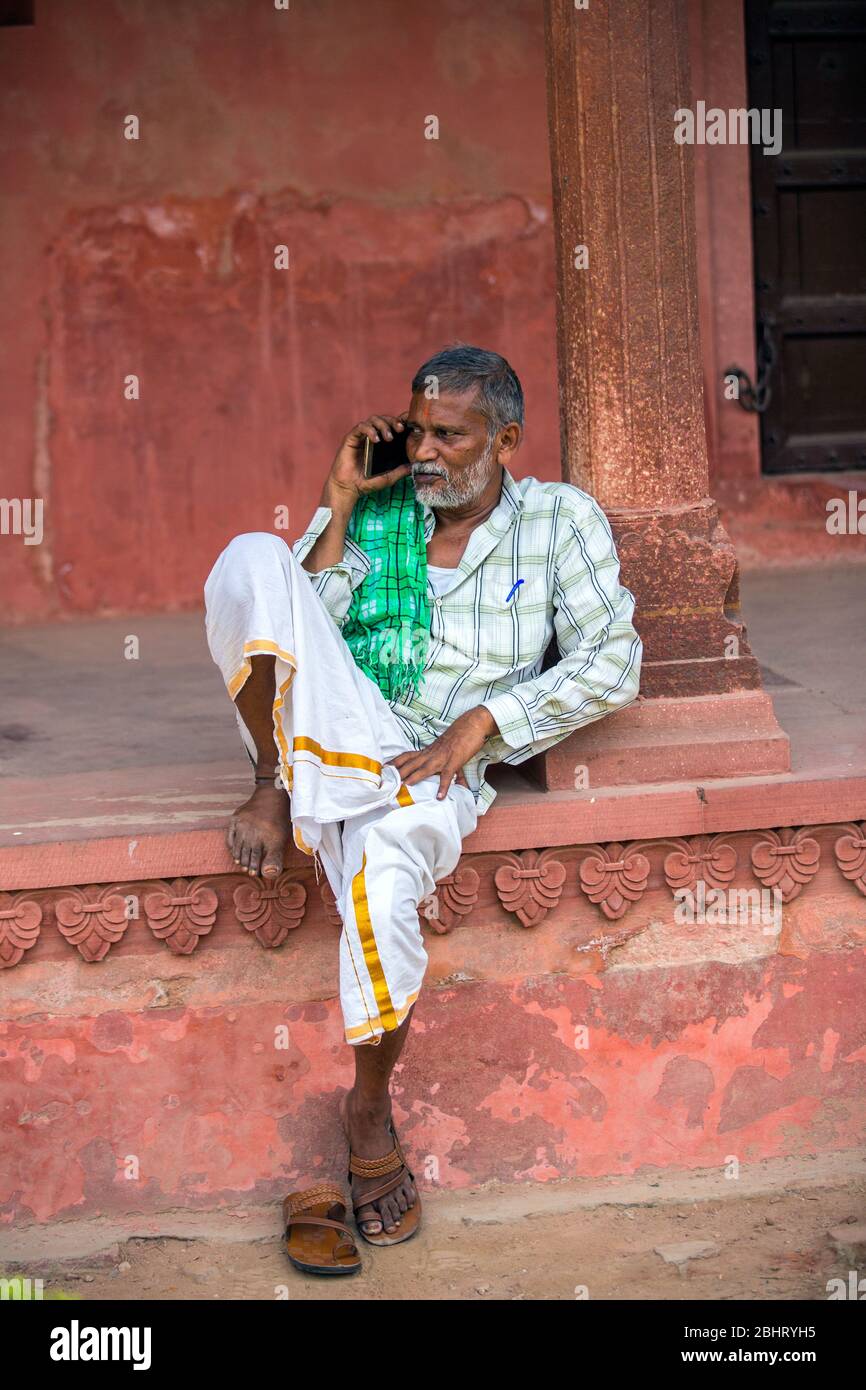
{"x": 809, "y": 209}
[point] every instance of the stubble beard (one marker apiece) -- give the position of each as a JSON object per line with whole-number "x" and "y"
{"x": 464, "y": 493}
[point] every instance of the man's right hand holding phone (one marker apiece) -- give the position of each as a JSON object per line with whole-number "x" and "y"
{"x": 346, "y": 483}
{"x": 347, "y": 470}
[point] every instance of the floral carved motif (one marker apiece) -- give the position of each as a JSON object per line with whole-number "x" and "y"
{"x": 270, "y": 911}
{"x": 613, "y": 877}
{"x": 92, "y": 919}
{"x": 453, "y": 898}
{"x": 332, "y": 912}
{"x": 787, "y": 860}
{"x": 850, "y": 852}
{"x": 20, "y": 921}
{"x": 180, "y": 913}
{"x": 530, "y": 884}
{"x": 703, "y": 857}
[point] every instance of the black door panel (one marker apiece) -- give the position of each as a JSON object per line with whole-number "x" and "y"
{"x": 809, "y": 204}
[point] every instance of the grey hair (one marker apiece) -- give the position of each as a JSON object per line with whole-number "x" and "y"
{"x": 461, "y": 368}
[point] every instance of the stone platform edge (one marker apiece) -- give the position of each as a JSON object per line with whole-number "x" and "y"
{"x": 518, "y": 821}
{"x": 532, "y": 857}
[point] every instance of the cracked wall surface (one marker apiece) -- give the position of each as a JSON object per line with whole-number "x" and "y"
{"x": 193, "y": 1106}
{"x": 150, "y": 1081}
{"x": 155, "y": 257}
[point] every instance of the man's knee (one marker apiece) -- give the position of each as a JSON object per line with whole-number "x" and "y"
{"x": 416, "y": 845}
{"x": 245, "y": 559}
{"x": 253, "y": 548}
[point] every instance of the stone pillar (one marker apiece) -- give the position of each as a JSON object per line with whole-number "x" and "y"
{"x": 631, "y": 399}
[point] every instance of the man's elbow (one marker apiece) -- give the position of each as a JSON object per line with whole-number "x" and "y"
{"x": 628, "y": 688}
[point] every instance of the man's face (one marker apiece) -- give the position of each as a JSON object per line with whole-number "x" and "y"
{"x": 448, "y": 446}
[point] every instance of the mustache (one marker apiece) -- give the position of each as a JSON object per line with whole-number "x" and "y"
{"x": 437, "y": 472}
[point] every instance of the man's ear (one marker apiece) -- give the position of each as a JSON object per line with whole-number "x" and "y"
{"x": 510, "y": 440}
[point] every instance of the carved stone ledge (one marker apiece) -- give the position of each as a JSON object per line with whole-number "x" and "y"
{"x": 850, "y": 850}
{"x": 92, "y": 919}
{"x": 613, "y": 877}
{"x": 786, "y": 860}
{"x": 271, "y": 911}
{"x": 529, "y": 884}
{"x": 20, "y": 924}
{"x": 180, "y": 913}
{"x": 454, "y": 899}
{"x": 701, "y": 857}
{"x": 329, "y": 902}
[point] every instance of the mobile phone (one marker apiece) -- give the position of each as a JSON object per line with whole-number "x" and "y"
{"x": 387, "y": 454}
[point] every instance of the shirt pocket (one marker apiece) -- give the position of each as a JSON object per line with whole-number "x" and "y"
{"x": 521, "y": 625}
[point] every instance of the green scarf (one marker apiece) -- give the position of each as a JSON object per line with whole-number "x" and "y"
{"x": 387, "y": 627}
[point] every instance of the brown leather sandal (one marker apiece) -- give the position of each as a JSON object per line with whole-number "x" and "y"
{"x": 392, "y": 1163}
{"x": 317, "y": 1239}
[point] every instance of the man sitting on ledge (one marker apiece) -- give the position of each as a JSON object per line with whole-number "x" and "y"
{"x": 378, "y": 668}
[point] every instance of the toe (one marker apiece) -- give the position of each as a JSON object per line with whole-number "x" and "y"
{"x": 272, "y": 867}
{"x": 254, "y": 861}
{"x": 368, "y": 1220}
{"x": 390, "y": 1214}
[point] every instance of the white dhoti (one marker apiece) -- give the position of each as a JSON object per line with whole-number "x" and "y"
{"x": 334, "y": 731}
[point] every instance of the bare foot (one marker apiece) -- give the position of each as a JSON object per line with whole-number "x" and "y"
{"x": 259, "y": 832}
{"x": 369, "y": 1137}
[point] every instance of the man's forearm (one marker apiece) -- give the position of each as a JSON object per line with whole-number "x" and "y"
{"x": 487, "y": 721}
{"x": 328, "y": 549}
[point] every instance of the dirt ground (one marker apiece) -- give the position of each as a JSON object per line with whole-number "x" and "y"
{"x": 510, "y": 1244}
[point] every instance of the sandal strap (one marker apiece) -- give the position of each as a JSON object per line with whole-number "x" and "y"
{"x": 375, "y": 1167}
{"x": 304, "y": 1218}
{"x": 377, "y": 1192}
{"x": 297, "y": 1202}
{"x": 399, "y": 1147}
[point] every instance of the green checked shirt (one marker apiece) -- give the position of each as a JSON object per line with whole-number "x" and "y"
{"x": 487, "y": 648}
